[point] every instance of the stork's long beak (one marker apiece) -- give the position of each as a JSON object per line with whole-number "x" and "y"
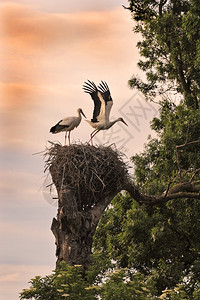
{"x": 124, "y": 122}
{"x": 83, "y": 114}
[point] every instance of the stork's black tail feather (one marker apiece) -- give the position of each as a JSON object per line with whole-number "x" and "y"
{"x": 56, "y": 128}
{"x": 53, "y": 129}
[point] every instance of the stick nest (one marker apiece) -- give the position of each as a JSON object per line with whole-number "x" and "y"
{"x": 92, "y": 172}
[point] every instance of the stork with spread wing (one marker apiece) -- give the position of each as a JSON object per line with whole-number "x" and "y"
{"x": 102, "y": 106}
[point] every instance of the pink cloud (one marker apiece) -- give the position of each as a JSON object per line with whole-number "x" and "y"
{"x": 30, "y": 30}
{"x": 47, "y": 57}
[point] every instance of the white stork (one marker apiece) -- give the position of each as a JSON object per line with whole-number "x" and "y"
{"x": 102, "y": 107}
{"x": 68, "y": 124}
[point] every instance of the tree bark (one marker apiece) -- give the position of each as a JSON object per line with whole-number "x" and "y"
{"x": 74, "y": 228}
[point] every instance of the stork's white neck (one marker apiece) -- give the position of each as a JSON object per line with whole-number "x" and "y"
{"x": 79, "y": 113}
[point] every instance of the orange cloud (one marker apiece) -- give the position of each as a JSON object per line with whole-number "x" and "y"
{"x": 25, "y": 29}
{"x": 16, "y": 95}
{"x": 46, "y": 50}
{"x": 30, "y": 30}
{"x": 30, "y": 38}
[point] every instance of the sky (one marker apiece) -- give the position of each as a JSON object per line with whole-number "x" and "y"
{"x": 49, "y": 48}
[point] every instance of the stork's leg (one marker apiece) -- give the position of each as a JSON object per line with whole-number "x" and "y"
{"x": 91, "y": 140}
{"x": 92, "y": 135}
{"x": 69, "y": 137}
{"x": 65, "y": 137}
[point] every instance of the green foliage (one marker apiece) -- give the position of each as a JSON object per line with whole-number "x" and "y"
{"x": 170, "y": 48}
{"x": 161, "y": 241}
{"x": 66, "y": 282}
{"x": 181, "y": 291}
{"x": 121, "y": 286}
{"x": 161, "y": 161}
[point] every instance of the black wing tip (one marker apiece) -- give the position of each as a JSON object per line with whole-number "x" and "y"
{"x": 103, "y": 87}
{"x": 89, "y": 87}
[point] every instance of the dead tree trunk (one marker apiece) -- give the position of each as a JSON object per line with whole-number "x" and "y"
{"x": 74, "y": 229}
{"x": 87, "y": 179}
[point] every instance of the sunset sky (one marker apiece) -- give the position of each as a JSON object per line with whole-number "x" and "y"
{"x": 48, "y": 49}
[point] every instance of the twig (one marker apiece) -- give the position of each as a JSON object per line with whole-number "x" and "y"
{"x": 167, "y": 190}
{"x": 188, "y": 143}
{"x": 196, "y": 171}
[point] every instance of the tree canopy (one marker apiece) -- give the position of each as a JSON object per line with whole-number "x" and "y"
{"x": 170, "y": 48}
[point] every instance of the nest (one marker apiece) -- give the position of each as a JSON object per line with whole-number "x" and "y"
{"x": 92, "y": 172}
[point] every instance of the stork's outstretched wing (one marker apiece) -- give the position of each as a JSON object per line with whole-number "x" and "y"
{"x": 105, "y": 92}
{"x": 102, "y": 100}
{"x": 90, "y": 88}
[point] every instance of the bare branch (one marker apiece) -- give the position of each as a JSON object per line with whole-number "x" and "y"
{"x": 184, "y": 145}
{"x": 195, "y": 173}
{"x": 188, "y": 143}
{"x": 179, "y": 191}
{"x": 161, "y": 4}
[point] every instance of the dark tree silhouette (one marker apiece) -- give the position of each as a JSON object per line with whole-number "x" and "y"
{"x": 87, "y": 179}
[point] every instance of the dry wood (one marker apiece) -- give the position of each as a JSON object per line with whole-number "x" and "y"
{"x": 93, "y": 173}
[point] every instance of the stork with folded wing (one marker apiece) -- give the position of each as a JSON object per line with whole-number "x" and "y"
{"x": 68, "y": 124}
